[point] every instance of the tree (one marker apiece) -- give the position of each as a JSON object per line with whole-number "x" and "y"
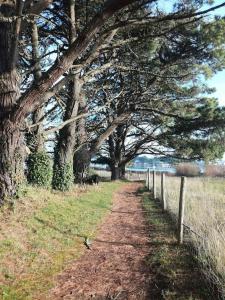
{"x": 15, "y": 108}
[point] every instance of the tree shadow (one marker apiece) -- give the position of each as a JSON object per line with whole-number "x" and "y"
{"x": 66, "y": 232}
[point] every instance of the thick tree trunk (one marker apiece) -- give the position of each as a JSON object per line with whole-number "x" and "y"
{"x": 11, "y": 138}
{"x": 122, "y": 171}
{"x": 115, "y": 154}
{"x": 11, "y": 159}
{"x": 81, "y": 163}
{"x": 64, "y": 152}
{"x": 63, "y": 164}
{"x": 82, "y": 157}
{"x": 115, "y": 172}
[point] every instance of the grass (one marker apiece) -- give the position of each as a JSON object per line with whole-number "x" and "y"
{"x": 43, "y": 232}
{"x": 175, "y": 271}
{"x": 204, "y": 214}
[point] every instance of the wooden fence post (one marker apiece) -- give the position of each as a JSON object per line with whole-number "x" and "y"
{"x": 181, "y": 211}
{"x": 163, "y": 198}
{"x": 149, "y": 179}
{"x": 154, "y": 184}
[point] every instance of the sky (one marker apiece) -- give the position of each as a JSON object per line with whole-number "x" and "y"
{"x": 218, "y": 80}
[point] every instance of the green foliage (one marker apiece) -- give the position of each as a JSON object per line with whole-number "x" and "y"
{"x": 213, "y": 34}
{"x": 62, "y": 177}
{"x": 39, "y": 169}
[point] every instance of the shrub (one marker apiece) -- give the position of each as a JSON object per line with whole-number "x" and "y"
{"x": 187, "y": 169}
{"x": 62, "y": 177}
{"x": 215, "y": 171}
{"x": 39, "y": 169}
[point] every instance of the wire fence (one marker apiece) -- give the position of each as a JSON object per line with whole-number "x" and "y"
{"x": 198, "y": 208}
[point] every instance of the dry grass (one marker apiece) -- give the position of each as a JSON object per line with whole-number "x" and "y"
{"x": 204, "y": 214}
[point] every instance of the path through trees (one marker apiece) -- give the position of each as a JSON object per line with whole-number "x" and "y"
{"x": 116, "y": 264}
{"x": 135, "y": 256}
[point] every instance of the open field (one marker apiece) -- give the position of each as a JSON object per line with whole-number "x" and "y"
{"x": 43, "y": 232}
{"x": 204, "y": 220}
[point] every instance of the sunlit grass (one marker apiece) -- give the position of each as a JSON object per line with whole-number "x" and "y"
{"x": 43, "y": 232}
{"x": 205, "y": 215}
{"x": 173, "y": 269}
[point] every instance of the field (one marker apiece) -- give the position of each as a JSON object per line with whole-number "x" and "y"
{"x": 204, "y": 222}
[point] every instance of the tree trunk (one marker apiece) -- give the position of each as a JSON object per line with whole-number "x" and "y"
{"x": 39, "y": 113}
{"x": 11, "y": 159}
{"x": 115, "y": 172}
{"x": 64, "y": 152}
{"x": 82, "y": 160}
{"x": 63, "y": 164}
{"x": 11, "y": 138}
{"x": 82, "y": 157}
{"x": 122, "y": 172}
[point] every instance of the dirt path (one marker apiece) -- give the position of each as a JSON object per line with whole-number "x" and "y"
{"x": 115, "y": 266}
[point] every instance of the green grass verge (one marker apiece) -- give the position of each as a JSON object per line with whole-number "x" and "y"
{"x": 175, "y": 271}
{"x": 43, "y": 233}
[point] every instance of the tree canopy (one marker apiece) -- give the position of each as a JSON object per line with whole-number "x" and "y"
{"x": 118, "y": 77}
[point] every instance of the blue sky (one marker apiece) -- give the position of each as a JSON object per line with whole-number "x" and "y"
{"x": 218, "y": 80}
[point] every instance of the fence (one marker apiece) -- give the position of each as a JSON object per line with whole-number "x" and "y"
{"x": 180, "y": 223}
{"x": 135, "y": 175}
{"x": 197, "y": 205}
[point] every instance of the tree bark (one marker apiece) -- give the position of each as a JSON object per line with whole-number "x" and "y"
{"x": 67, "y": 133}
{"x": 116, "y": 146}
{"x": 115, "y": 172}
{"x": 38, "y": 140}
{"x": 81, "y": 163}
{"x": 82, "y": 157}
{"x": 11, "y": 138}
{"x": 11, "y": 159}
{"x": 122, "y": 171}
{"x": 64, "y": 151}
